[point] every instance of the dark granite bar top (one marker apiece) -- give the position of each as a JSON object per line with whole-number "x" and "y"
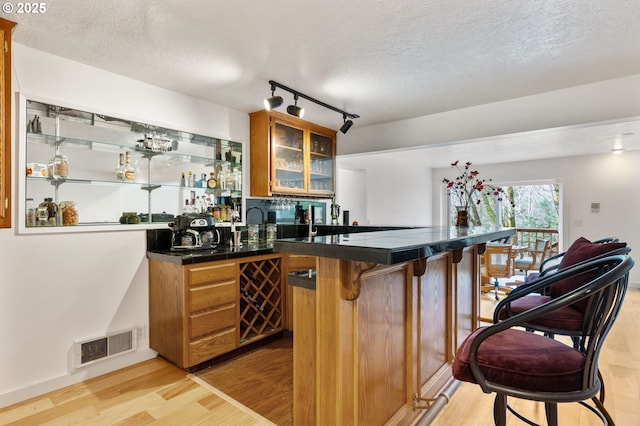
{"x": 159, "y": 241}
{"x": 391, "y": 246}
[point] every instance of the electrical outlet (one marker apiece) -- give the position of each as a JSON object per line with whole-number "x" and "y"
{"x": 140, "y": 332}
{"x": 578, "y": 223}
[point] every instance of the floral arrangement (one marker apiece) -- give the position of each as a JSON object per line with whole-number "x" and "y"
{"x": 466, "y": 188}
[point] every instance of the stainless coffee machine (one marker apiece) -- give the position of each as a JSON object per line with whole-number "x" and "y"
{"x": 194, "y": 231}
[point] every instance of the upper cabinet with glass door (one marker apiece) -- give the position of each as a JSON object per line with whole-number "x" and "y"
{"x": 116, "y": 173}
{"x": 290, "y": 156}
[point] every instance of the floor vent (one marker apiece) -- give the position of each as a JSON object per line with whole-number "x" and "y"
{"x": 99, "y": 348}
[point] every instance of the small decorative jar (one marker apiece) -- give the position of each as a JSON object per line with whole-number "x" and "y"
{"x": 59, "y": 167}
{"x": 69, "y": 213}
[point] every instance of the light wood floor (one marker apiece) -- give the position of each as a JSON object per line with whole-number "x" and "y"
{"x": 156, "y": 392}
{"x": 153, "y": 392}
{"x": 619, "y": 365}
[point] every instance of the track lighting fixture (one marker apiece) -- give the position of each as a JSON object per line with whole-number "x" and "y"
{"x": 295, "y": 109}
{"x": 347, "y": 124}
{"x": 276, "y": 101}
{"x": 273, "y": 101}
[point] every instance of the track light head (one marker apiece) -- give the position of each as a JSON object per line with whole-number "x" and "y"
{"x": 347, "y": 124}
{"x": 295, "y": 109}
{"x": 273, "y": 101}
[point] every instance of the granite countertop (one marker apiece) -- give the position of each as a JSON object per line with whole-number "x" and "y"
{"x": 222, "y": 252}
{"x": 391, "y": 246}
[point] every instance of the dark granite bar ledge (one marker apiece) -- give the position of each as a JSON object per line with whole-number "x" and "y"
{"x": 188, "y": 257}
{"x": 391, "y": 246}
{"x": 159, "y": 241}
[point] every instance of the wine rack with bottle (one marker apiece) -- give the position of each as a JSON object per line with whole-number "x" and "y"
{"x": 112, "y": 166}
{"x": 261, "y": 299}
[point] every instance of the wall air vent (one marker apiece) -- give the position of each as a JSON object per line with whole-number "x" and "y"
{"x": 100, "y": 348}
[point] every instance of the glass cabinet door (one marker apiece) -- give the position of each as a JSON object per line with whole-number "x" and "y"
{"x": 288, "y": 159}
{"x": 321, "y": 163}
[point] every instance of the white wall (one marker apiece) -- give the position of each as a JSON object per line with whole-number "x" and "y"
{"x": 351, "y": 194}
{"x": 57, "y": 289}
{"x": 606, "y": 179}
{"x": 397, "y": 192}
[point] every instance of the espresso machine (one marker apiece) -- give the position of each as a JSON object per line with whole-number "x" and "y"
{"x": 194, "y": 231}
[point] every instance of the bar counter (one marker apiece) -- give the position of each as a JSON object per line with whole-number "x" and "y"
{"x": 391, "y": 246}
{"x": 375, "y": 337}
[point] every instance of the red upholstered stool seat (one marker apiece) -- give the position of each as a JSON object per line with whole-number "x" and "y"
{"x": 566, "y": 318}
{"x": 523, "y": 360}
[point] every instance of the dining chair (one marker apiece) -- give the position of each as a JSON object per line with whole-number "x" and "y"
{"x": 568, "y": 321}
{"x": 506, "y": 360}
{"x": 537, "y": 292}
{"x": 497, "y": 264}
{"x": 550, "y": 264}
{"x": 532, "y": 263}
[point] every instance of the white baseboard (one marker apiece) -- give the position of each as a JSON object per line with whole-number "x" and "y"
{"x": 76, "y": 376}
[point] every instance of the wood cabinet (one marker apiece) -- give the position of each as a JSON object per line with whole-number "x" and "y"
{"x": 200, "y": 311}
{"x": 290, "y": 156}
{"x": 5, "y": 123}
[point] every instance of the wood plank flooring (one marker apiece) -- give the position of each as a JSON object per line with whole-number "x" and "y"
{"x": 156, "y": 392}
{"x": 153, "y": 392}
{"x": 261, "y": 379}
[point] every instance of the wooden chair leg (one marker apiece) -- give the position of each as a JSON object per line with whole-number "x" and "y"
{"x": 500, "y": 410}
{"x": 551, "y": 410}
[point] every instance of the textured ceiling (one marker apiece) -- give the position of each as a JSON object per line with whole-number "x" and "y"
{"x": 383, "y": 60}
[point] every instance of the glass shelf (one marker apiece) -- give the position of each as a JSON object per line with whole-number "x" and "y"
{"x": 93, "y": 143}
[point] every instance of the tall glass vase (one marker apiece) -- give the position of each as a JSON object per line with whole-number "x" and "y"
{"x": 462, "y": 216}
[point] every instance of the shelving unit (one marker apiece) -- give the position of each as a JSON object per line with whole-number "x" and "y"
{"x": 92, "y": 143}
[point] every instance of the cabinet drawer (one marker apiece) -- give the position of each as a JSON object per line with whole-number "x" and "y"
{"x": 296, "y": 262}
{"x": 209, "y": 296}
{"x": 212, "y": 273}
{"x": 208, "y": 322}
{"x": 206, "y": 348}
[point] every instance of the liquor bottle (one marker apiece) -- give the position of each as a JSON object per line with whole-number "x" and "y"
{"x": 229, "y": 177}
{"x": 119, "y": 169}
{"x": 222, "y": 178}
{"x": 128, "y": 172}
{"x": 212, "y": 183}
{"x": 237, "y": 180}
{"x": 182, "y": 180}
{"x": 190, "y": 183}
